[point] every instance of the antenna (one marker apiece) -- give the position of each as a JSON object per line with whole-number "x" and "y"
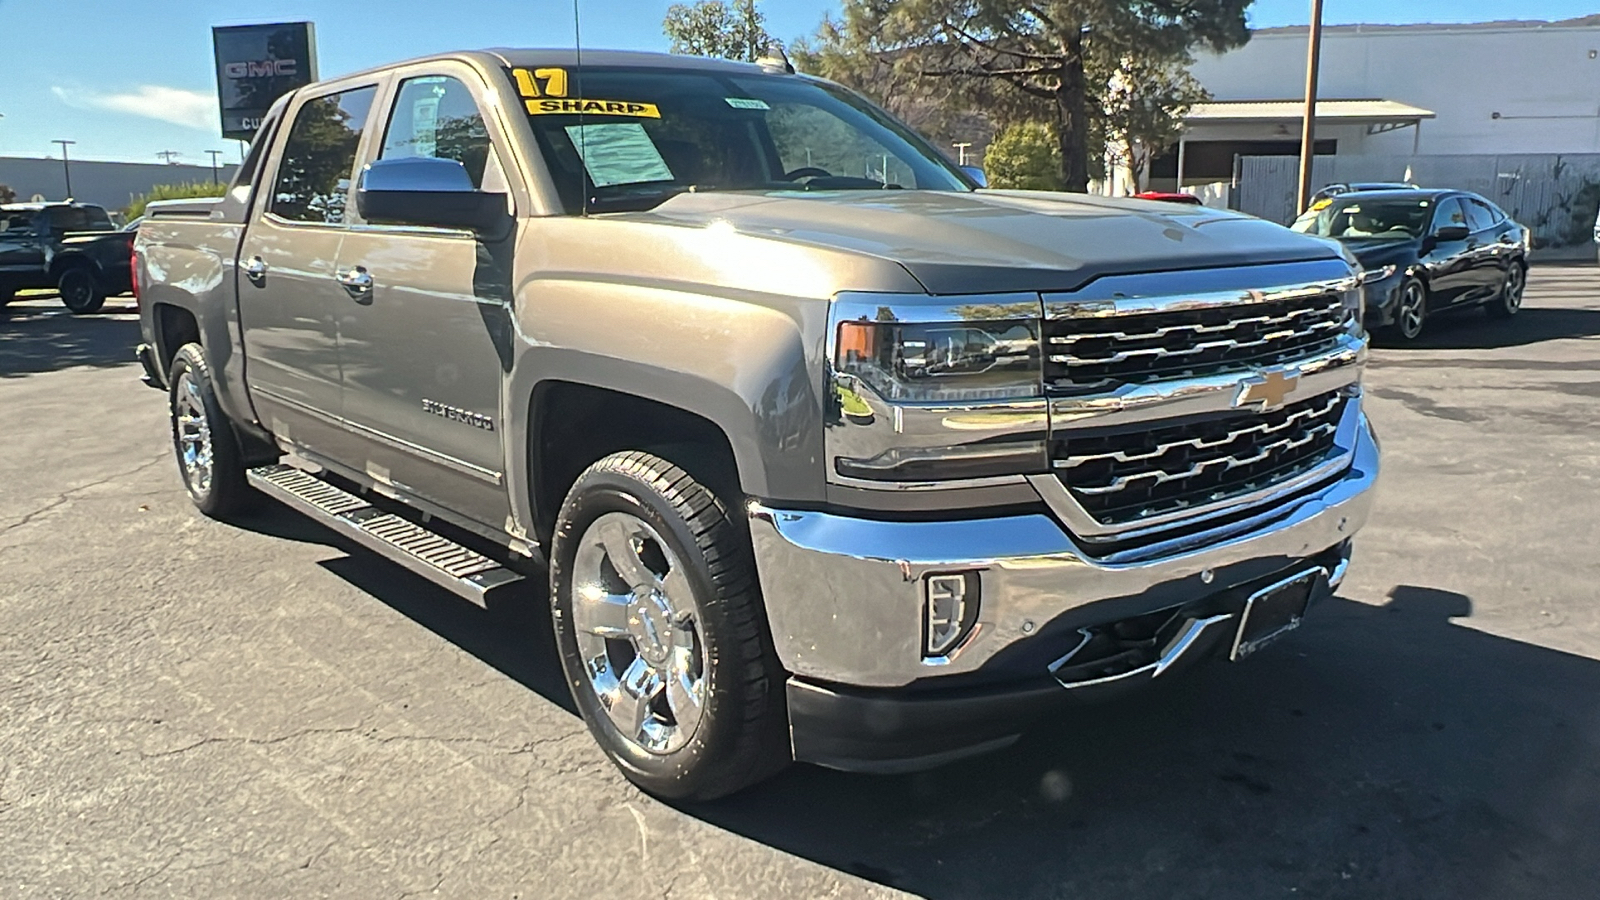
{"x": 583, "y": 138}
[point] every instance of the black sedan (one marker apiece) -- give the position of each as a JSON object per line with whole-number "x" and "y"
{"x": 1425, "y": 252}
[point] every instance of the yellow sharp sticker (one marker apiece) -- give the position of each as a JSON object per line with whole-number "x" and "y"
{"x": 548, "y": 107}
{"x": 555, "y": 82}
{"x": 1321, "y": 205}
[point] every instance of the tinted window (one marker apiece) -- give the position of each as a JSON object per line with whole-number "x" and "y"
{"x": 1478, "y": 216}
{"x": 435, "y": 116}
{"x": 79, "y": 218}
{"x": 1488, "y": 212}
{"x": 1450, "y": 213}
{"x": 320, "y": 157}
{"x": 16, "y": 220}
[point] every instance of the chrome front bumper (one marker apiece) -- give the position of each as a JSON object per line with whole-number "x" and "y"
{"x": 844, "y": 596}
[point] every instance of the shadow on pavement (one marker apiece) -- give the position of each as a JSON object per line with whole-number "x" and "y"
{"x": 1472, "y": 330}
{"x": 36, "y": 338}
{"x": 514, "y": 637}
{"x": 1378, "y": 752}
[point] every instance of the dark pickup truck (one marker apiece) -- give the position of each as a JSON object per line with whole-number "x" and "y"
{"x": 72, "y": 247}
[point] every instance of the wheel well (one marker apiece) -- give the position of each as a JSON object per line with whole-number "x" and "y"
{"x": 61, "y": 264}
{"x": 175, "y": 327}
{"x": 573, "y": 425}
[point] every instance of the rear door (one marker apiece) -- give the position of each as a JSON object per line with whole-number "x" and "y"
{"x": 426, "y": 347}
{"x": 288, "y": 295}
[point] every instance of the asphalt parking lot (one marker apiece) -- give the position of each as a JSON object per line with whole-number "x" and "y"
{"x": 189, "y": 708}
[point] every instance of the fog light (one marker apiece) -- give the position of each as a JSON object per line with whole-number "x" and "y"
{"x": 950, "y": 608}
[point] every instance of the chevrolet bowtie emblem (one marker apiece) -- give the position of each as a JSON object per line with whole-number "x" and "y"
{"x": 1268, "y": 390}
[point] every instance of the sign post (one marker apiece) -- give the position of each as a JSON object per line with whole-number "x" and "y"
{"x": 257, "y": 64}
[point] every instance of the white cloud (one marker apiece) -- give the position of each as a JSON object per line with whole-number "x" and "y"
{"x": 191, "y": 109}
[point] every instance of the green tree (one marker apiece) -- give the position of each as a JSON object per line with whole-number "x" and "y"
{"x": 730, "y": 30}
{"x": 1144, "y": 107}
{"x": 185, "y": 191}
{"x": 1054, "y": 59}
{"x": 1025, "y": 156}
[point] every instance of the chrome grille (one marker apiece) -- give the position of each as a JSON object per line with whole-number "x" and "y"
{"x": 1097, "y": 353}
{"x": 1125, "y": 475}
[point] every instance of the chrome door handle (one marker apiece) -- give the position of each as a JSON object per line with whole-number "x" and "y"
{"x": 357, "y": 281}
{"x": 255, "y": 269}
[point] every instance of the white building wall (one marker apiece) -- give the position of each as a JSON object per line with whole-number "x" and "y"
{"x": 1542, "y": 81}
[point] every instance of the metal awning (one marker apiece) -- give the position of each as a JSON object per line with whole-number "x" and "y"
{"x": 1381, "y": 114}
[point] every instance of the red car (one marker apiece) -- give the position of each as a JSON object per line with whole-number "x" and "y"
{"x": 1165, "y": 197}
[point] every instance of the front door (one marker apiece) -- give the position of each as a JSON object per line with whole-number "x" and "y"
{"x": 288, "y": 295}
{"x": 21, "y": 249}
{"x": 1450, "y": 264}
{"x": 425, "y": 332}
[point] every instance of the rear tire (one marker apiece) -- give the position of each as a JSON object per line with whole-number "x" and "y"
{"x": 661, "y": 631}
{"x": 207, "y": 449}
{"x": 80, "y": 291}
{"x": 1509, "y": 302}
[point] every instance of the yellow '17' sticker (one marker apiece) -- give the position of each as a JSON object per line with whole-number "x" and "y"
{"x": 553, "y": 106}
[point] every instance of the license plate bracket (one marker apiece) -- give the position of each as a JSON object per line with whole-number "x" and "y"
{"x": 1274, "y": 611}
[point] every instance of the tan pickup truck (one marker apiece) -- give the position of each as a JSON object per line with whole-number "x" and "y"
{"x": 816, "y": 449}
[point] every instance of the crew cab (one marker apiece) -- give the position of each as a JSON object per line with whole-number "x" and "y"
{"x": 815, "y": 450}
{"x": 72, "y": 247}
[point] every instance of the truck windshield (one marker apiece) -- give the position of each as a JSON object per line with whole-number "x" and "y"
{"x": 1355, "y": 218}
{"x": 629, "y": 138}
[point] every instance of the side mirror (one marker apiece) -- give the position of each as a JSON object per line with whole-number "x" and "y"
{"x": 976, "y": 174}
{"x": 419, "y": 190}
{"x": 1448, "y": 233}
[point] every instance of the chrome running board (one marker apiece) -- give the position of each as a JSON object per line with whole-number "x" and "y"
{"x": 436, "y": 558}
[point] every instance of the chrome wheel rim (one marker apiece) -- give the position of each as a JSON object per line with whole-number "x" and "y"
{"x": 638, "y": 631}
{"x": 1411, "y": 304}
{"x": 194, "y": 433}
{"x": 1516, "y": 281}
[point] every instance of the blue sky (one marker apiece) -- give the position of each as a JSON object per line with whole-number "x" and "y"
{"x": 127, "y": 79}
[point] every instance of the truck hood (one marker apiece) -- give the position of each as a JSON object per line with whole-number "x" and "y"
{"x": 997, "y": 241}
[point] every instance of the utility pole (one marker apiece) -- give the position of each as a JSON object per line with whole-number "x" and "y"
{"x": 1308, "y": 138}
{"x": 169, "y": 155}
{"x": 214, "y": 154}
{"x": 66, "y": 165}
{"x": 961, "y": 150}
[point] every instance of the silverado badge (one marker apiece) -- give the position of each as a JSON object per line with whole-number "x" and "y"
{"x": 457, "y": 414}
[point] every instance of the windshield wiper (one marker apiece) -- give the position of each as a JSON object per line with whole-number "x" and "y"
{"x": 634, "y": 201}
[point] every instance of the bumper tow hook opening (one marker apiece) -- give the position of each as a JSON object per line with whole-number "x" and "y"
{"x": 1130, "y": 653}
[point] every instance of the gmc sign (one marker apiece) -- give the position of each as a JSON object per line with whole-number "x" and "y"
{"x": 261, "y": 68}
{"x": 257, "y": 64}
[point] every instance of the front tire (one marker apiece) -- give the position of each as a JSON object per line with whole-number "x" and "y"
{"x": 1411, "y": 312}
{"x": 80, "y": 291}
{"x": 207, "y": 449}
{"x": 1509, "y": 302}
{"x": 661, "y": 633}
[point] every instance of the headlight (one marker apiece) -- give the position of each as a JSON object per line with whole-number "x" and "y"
{"x": 933, "y": 392}
{"x": 943, "y": 362}
{"x": 1375, "y": 275}
{"x": 1355, "y": 309}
